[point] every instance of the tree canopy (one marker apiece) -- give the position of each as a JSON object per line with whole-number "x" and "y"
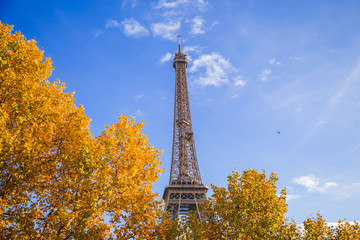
{"x": 248, "y": 208}
{"x": 56, "y": 179}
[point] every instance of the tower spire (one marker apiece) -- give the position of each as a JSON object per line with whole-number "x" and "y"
{"x": 185, "y": 190}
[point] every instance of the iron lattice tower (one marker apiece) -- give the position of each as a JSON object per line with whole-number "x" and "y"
{"x": 185, "y": 190}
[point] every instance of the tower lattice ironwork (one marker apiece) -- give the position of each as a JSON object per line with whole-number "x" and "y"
{"x": 185, "y": 190}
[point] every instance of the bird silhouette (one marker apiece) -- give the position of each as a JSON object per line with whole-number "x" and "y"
{"x": 278, "y": 132}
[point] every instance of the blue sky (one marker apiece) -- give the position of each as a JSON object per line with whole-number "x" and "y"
{"x": 255, "y": 68}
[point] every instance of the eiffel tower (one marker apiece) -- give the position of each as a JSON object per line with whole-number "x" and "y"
{"x": 185, "y": 190}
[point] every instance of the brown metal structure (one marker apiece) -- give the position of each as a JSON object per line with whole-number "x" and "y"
{"x": 185, "y": 190}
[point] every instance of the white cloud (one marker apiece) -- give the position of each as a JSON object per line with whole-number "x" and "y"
{"x": 347, "y": 191}
{"x": 296, "y": 58}
{"x": 180, "y": 3}
{"x": 138, "y": 96}
{"x": 197, "y": 25}
{"x": 319, "y": 123}
{"x": 134, "y": 28}
{"x": 290, "y": 197}
{"x": 110, "y": 23}
{"x": 167, "y": 57}
{"x": 214, "y": 23}
{"x": 168, "y": 14}
{"x": 130, "y": 26}
{"x": 239, "y": 81}
{"x": 166, "y": 30}
{"x": 273, "y": 61}
{"x": 195, "y": 49}
{"x": 133, "y": 3}
{"x": 97, "y": 32}
{"x": 312, "y": 183}
{"x": 356, "y": 147}
{"x": 215, "y": 69}
{"x": 299, "y": 109}
{"x": 171, "y": 4}
{"x": 335, "y": 100}
{"x": 138, "y": 113}
{"x": 264, "y": 75}
{"x": 346, "y": 86}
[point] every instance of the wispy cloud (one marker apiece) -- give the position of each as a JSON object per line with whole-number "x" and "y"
{"x": 166, "y": 30}
{"x": 138, "y": 113}
{"x": 133, "y": 3}
{"x": 297, "y": 58}
{"x": 197, "y": 25}
{"x": 290, "y": 197}
{"x": 97, "y": 32}
{"x": 214, "y": 23}
{"x": 356, "y": 147}
{"x": 345, "y": 87}
{"x": 214, "y": 69}
{"x": 298, "y": 109}
{"x": 180, "y": 3}
{"x": 195, "y": 49}
{"x": 191, "y": 49}
{"x": 347, "y": 191}
{"x": 334, "y": 101}
{"x": 167, "y": 57}
{"x": 312, "y": 183}
{"x": 287, "y": 97}
{"x": 264, "y": 75}
{"x": 341, "y": 189}
{"x": 138, "y": 96}
{"x": 319, "y": 123}
{"x": 239, "y": 81}
{"x": 134, "y": 28}
{"x": 273, "y": 61}
{"x": 110, "y": 23}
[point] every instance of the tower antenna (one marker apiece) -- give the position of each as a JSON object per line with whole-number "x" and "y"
{"x": 179, "y": 43}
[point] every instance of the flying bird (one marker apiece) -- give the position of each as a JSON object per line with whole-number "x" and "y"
{"x": 278, "y": 132}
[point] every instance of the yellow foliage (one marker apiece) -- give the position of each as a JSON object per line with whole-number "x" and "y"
{"x": 345, "y": 230}
{"x": 248, "y": 208}
{"x": 57, "y": 181}
{"x": 316, "y": 228}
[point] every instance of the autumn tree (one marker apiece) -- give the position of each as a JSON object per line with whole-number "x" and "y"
{"x": 316, "y": 228}
{"x": 58, "y": 181}
{"x": 346, "y": 230}
{"x": 248, "y": 208}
